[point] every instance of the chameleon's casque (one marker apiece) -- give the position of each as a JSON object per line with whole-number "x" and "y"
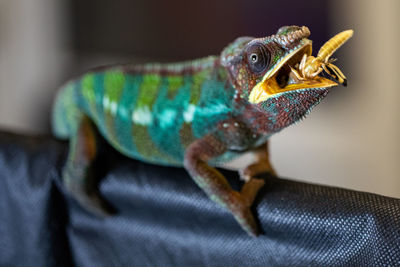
{"x": 195, "y": 114}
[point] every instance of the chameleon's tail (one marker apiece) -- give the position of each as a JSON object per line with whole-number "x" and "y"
{"x": 65, "y": 112}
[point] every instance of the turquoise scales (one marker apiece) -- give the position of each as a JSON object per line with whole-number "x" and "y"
{"x": 144, "y": 111}
{"x": 194, "y": 114}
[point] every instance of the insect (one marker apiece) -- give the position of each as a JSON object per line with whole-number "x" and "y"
{"x": 310, "y": 66}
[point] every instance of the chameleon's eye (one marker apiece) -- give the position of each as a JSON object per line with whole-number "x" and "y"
{"x": 258, "y": 57}
{"x": 254, "y": 58}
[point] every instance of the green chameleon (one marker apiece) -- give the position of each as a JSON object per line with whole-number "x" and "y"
{"x": 197, "y": 114}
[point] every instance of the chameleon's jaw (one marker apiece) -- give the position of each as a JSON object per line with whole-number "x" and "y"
{"x": 281, "y": 79}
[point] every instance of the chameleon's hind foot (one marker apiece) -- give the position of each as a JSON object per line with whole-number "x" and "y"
{"x": 94, "y": 204}
{"x": 250, "y": 189}
{"x": 262, "y": 164}
{"x": 79, "y": 176}
{"x": 89, "y": 199}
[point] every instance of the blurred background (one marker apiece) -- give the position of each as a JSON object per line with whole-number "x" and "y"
{"x": 351, "y": 139}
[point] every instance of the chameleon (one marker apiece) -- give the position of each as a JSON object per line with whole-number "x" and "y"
{"x": 196, "y": 114}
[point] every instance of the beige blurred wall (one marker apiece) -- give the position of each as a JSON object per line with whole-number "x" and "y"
{"x": 31, "y": 61}
{"x": 350, "y": 140}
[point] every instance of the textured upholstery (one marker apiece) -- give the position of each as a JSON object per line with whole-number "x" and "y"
{"x": 164, "y": 219}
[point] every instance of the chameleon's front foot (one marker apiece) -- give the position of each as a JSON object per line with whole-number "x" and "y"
{"x": 241, "y": 203}
{"x": 216, "y": 186}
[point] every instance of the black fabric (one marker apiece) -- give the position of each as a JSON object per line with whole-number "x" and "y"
{"x": 164, "y": 219}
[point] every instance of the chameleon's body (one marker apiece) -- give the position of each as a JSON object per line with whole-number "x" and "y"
{"x": 195, "y": 114}
{"x": 152, "y": 112}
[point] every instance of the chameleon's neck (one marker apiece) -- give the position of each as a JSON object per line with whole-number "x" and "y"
{"x": 279, "y": 113}
{"x": 260, "y": 122}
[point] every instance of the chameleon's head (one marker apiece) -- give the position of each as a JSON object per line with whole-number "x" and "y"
{"x": 261, "y": 71}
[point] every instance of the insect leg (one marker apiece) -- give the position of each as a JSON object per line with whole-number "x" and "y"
{"x": 317, "y": 72}
{"x": 302, "y": 64}
{"x": 339, "y": 75}
{"x": 296, "y": 73}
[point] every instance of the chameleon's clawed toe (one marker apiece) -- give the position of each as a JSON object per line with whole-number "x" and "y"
{"x": 96, "y": 205}
{"x": 247, "y": 222}
{"x": 90, "y": 201}
{"x": 240, "y": 208}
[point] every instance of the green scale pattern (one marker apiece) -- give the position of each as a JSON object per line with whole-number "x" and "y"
{"x": 144, "y": 114}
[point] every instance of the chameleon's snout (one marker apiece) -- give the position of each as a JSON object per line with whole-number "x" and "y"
{"x": 299, "y": 70}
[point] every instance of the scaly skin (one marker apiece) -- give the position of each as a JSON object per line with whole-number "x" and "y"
{"x": 195, "y": 114}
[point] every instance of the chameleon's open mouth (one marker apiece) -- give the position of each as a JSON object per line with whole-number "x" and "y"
{"x": 282, "y": 79}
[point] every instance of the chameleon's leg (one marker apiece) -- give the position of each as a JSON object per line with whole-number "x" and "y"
{"x": 77, "y": 175}
{"x": 261, "y": 165}
{"x": 216, "y": 186}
